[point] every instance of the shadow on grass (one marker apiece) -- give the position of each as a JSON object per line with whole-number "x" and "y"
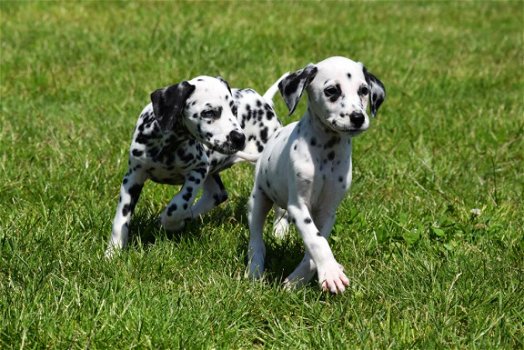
{"x": 146, "y": 230}
{"x": 282, "y": 255}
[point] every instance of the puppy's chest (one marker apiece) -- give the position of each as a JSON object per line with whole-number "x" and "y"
{"x": 330, "y": 172}
{"x": 332, "y": 177}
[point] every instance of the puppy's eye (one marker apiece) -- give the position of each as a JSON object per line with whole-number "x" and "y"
{"x": 210, "y": 114}
{"x": 363, "y": 91}
{"x": 331, "y": 91}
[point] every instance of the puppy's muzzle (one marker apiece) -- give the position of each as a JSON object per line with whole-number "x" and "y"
{"x": 238, "y": 139}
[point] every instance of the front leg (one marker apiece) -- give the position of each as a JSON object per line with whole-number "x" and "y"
{"x": 330, "y": 274}
{"x": 213, "y": 194}
{"x": 306, "y": 269}
{"x": 179, "y": 209}
{"x": 129, "y": 193}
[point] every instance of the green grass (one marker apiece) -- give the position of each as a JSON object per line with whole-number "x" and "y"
{"x": 425, "y": 272}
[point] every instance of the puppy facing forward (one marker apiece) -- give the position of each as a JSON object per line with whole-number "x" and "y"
{"x": 305, "y": 167}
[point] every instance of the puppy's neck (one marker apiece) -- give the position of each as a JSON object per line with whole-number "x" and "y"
{"x": 172, "y": 139}
{"x": 179, "y": 132}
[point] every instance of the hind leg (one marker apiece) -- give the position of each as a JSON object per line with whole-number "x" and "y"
{"x": 258, "y": 206}
{"x": 281, "y": 223}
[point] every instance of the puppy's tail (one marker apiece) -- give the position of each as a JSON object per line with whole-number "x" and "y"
{"x": 270, "y": 93}
{"x": 250, "y": 157}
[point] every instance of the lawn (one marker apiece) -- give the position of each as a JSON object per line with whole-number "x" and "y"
{"x": 426, "y": 271}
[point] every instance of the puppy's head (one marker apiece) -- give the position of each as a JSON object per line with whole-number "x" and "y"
{"x": 339, "y": 91}
{"x": 204, "y": 105}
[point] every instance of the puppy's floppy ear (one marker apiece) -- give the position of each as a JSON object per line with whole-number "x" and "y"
{"x": 292, "y": 86}
{"x": 224, "y": 82}
{"x": 169, "y": 102}
{"x": 377, "y": 93}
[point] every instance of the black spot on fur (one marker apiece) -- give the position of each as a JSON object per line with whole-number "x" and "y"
{"x": 137, "y": 152}
{"x": 141, "y": 138}
{"x": 313, "y": 141}
{"x": 202, "y": 172}
{"x": 134, "y": 191}
{"x": 126, "y": 209}
{"x": 153, "y": 152}
{"x": 307, "y": 220}
{"x": 263, "y": 134}
{"x": 331, "y": 155}
{"x": 171, "y": 209}
{"x": 340, "y": 179}
{"x": 185, "y": 157}
{"x": 332, "y": 142}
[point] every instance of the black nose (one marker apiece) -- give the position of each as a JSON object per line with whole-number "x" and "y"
{"x": 237, "y": 139}
{"x": 357, "y": 119}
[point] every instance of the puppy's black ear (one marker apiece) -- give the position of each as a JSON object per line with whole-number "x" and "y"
{"x": 292, "y": 86}
{"x": 169, "y": 102}
{"x": 225, "y": 83}
{"x": 377, "y": 93}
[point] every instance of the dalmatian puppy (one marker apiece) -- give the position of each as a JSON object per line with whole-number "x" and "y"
{"x": 188, "y": 134}
{"x": 305, "y": 167}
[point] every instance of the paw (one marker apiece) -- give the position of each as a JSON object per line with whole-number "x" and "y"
{"x": 113, "y": 248}
{"x": 281, "y": 228}
{"x": 172, "y": 226}
{"x": 293, "y": 284}
{"x": 111, "y": 251}
{"x": 332, "y": 278}
{"x": 256, "y": 266}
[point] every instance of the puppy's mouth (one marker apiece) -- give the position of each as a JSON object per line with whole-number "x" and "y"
{"x": 225, "y": 148}
{"x": 345, "y": 129}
